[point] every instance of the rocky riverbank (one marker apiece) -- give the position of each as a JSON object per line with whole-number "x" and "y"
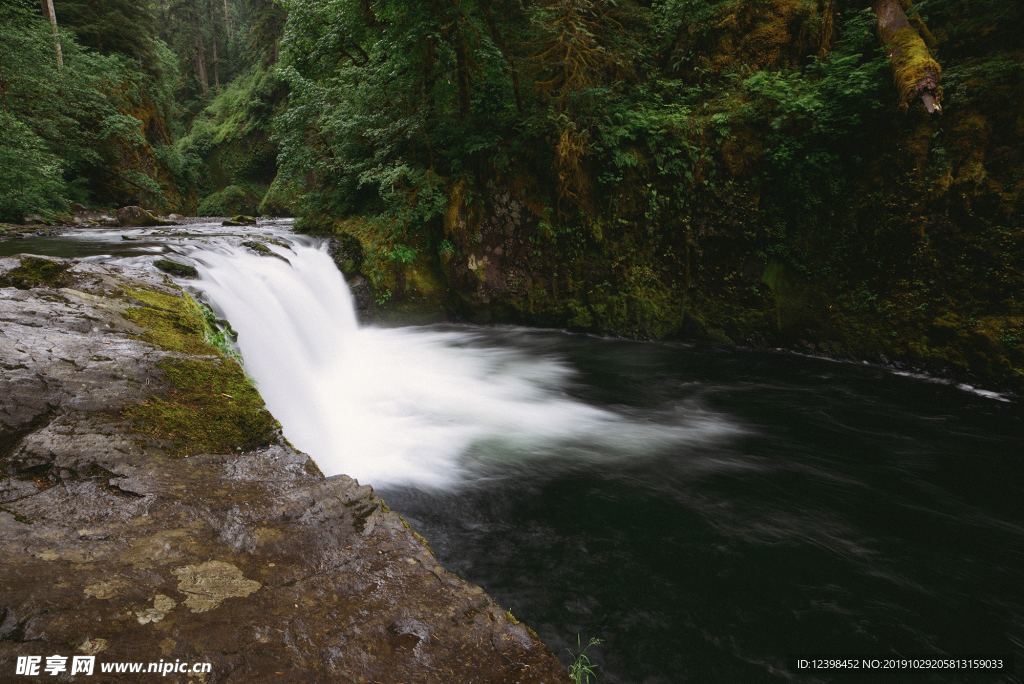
{"x": 150, "y": 510}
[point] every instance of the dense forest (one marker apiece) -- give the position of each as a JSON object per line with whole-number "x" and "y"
{"x": 839, "y": 176}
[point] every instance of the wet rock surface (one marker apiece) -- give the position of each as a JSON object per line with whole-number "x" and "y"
{"x": 251, "y": 561}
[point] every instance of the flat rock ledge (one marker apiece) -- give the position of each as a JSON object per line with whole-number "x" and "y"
{"x": 117, "y": 546}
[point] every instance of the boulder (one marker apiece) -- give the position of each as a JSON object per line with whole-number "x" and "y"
{"x": 176, "y": 268}
{"x": 137, "y": 217}
{"x": 347, "y": 252}
{"x": 240, "y": 220}
{"x": 363, "y": 296}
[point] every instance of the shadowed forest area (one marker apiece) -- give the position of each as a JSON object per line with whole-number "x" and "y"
{"x": 836, "y": 176}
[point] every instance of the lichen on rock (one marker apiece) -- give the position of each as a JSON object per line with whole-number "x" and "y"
{"x": 208, "y": 584}
{"x": 161, "y": 606}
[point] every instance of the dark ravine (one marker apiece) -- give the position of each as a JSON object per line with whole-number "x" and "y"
{"x": 120, "y": 543}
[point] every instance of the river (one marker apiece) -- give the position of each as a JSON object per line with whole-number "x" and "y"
{"x": 710, "y": 514}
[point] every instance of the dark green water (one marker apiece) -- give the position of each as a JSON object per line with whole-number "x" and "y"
{"x": 856, "y": 512}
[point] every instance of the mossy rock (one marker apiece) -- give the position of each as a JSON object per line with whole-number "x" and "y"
{"x": 258, "y": 247}
{"x": 210, "y": 405}
{"x": 240, "y": 220}
{"x": 347, "y": 252}
{"x": 261, "y": 249}
{"x": 35, "y": 272}
{"x": 137, "y": 217}
{"x": 176, "y": 269}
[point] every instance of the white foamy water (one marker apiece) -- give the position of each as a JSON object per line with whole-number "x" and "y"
{"x": 407, "y": 405}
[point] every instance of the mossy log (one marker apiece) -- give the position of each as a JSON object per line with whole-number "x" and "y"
{"x": 916, "y": 72}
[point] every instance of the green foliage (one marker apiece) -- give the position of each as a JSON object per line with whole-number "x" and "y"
{"x": 124, "y": 27}
{"x": 402, "y": 254}
{"x": 232, "y": 200}
{"x": 582, "y": 670}
{"x": 102, "y": 130}
{"x": 30, "y": 175}
{"x": 219, "y": 334}
{"x": 77, "y": 129}
{"x": 386, "y": 102}
{"x": 644, "y": 168}
{"x": 229, "y": 141}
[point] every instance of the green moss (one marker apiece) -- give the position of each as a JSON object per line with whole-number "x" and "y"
{"x": 280, "y": 198}
{"x": 912, "y": 63}
{"x": 180, "y": 323}
{"x": 171, "y": 321}
{"x": 789, "y": 293}
{"x": 258, "y": 247}
{"x": 240, "y": 220}
{"x": 210, "y": 406}
{"x": 35, "y": 272}
{"x": 416, "y": 535}
{"x": 642, "y": 305}
{"x": 176, "y": 269}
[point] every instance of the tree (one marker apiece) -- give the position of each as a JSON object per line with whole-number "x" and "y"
{"x": 52, "y": 16}
{"x": 125, "y": 27}
{"x": 584, "y": 44}
{"x": 916, "y": 72}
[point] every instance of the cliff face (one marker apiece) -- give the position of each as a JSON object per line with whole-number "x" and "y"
{"x": 149, "y": 509}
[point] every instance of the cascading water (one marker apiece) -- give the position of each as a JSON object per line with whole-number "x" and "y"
{"x": 405, "y": 405}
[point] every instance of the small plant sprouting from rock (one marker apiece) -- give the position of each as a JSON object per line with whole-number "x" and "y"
{"x": 582, "y": 670}
{"x": 219, "y": 333}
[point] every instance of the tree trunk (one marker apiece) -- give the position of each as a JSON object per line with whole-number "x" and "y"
{"x": 52, "y": 16}
{"x": 916, "y": 73}
{"x": 200, "y": 60}
{"x": 227, "y": 18}
{"x": 827, "y": 10}
{"x": 216, "y": 66}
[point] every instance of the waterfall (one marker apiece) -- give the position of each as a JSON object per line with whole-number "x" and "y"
{"x": 401, "y": 405}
